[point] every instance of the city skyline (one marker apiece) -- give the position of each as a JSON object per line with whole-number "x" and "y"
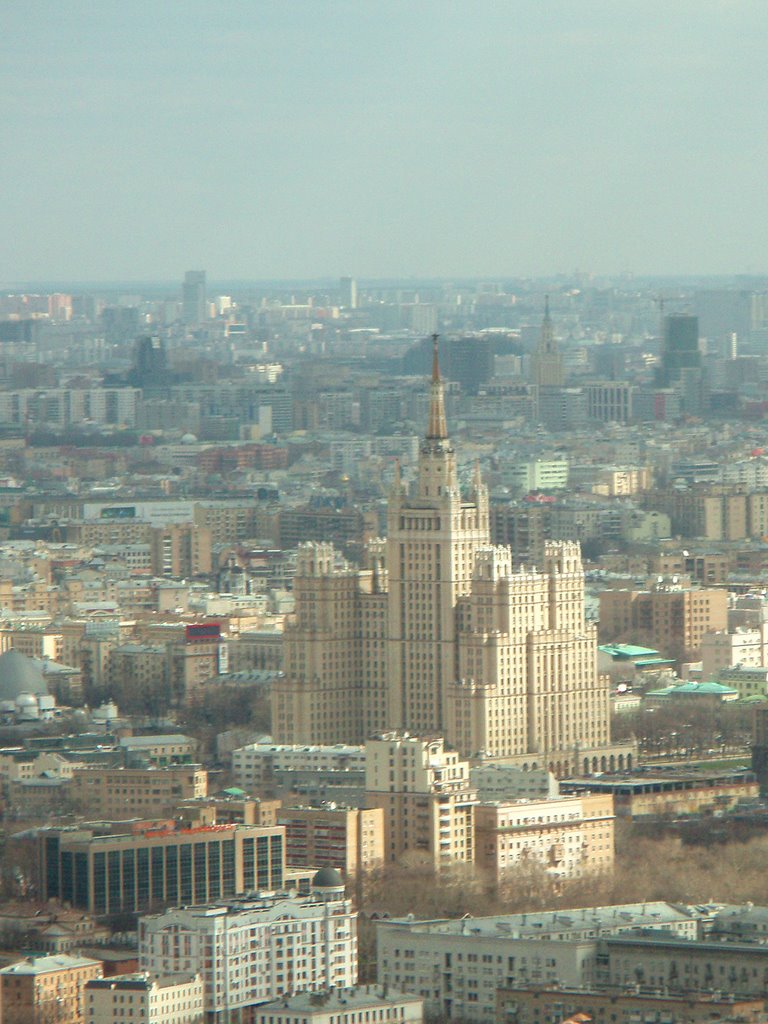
{"x": 432, "y": 140}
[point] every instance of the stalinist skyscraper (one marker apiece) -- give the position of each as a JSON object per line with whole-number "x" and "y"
{"x": 432, "y": 540}
{"x": 437, "y": 634}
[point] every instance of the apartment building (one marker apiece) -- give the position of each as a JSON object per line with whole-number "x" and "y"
{"x": 348, "y": 1006}
{"x": 349, "y": 839}
{"x": 142, "y": 999}
{"x": 675, "y": 964}
{"x": 568, "y": 836}
{"x": 113, "y": 794}
{"x": 45, "y": 989}
{"x": 457, "y": 966}
{"x": 161, "y": 751}
{"x": 426, "y": 797}
{"x": 259, "y": 766}
{"x": 229, "y": 522}
{"x": 111, "y": 873}
{"x": 256, "y": 950}
{"x": 670, "y": 614}
{"x": 724, "y": 649}
{"x": 181, "y": 550}
{"x": 553, "y": 1005}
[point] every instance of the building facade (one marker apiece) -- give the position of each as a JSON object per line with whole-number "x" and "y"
{"x": 110, "y": 874}
{"x": 46, "y": 989}
{"x": 141, "y": 999}
{"x": 257, "y": 950}
{"x": 426, "y": 797}
{"x": 120, "y": 793}
{"x": 567, "y": 836}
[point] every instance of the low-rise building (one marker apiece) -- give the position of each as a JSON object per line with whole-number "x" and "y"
{"x": 671, "y": 791}
{"x": 569, "y": 836}
{"x": 160, "y": 751}
{"x": 553, "y": 1005}
{"x": 345, "y": 1006}
{"x": 119, "y": 793}
{"x": 142, "y": 999}
{"x": 45, "y": 989}
{"x": 273, "y": 766}
{"x": 494, "y": 781}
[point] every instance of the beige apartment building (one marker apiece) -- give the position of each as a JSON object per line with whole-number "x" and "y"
{"x": 116, "y": 794}
{"x": 672, "y": 616}
{"x": 569, "y": 836}
{"x": 46, "y": 989}
{"x": 142, "y": 999}
{"x": 349, "y": 839}
{"x": 181, "y": 550}
{"x": 428, "y": 801}
{"x": 230, "y": 522}
{"x": 710, "y": 567}
{"x": 438, "y": 634}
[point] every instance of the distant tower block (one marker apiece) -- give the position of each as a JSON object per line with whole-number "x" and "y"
{"x": 193, "y": 297}
{"x": 548, "y": 362}
{"x": 348, "y": 292}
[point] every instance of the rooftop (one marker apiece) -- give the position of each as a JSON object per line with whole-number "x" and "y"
{"x": 556, "y": 924}
{"x": 361, "y": 997}
{"x": 48, "y": 964}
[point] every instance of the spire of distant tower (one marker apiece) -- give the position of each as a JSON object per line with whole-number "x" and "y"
{"x": 438, "y": 430}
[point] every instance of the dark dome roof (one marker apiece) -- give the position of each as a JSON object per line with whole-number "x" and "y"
{"x": 327, "y": 878}
{"x": 19, "y": 674}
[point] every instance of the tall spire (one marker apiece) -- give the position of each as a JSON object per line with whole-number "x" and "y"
{"x": 438, "y": 430}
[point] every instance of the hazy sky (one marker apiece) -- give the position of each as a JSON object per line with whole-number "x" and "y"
{"x": 382, "y": 138}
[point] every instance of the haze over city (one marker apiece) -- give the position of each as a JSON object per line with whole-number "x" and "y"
{"x": 396, "y": 139}
{"x": 384, "y": 512}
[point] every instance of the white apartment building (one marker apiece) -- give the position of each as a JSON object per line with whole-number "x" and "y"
{"x": 750, "y": 473}
{"x": 457, "y": 966}
{"x": 255, "y": 764}
{"x": 67, "y": 406}
{"x": 494, "y": 781}
{"x": 255, "y": 950}
{"x": 723, "y": 649}
{"x": 142, "y": 999}
{"x": 537, "y": 475}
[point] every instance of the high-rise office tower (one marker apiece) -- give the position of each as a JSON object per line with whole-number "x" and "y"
{"x": 680, "y": 347}
{"x": 193, "y": 300}
{"x": 437, "y": 634}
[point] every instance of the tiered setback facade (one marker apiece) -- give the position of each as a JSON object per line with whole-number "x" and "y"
{"x": 438, "y": 635}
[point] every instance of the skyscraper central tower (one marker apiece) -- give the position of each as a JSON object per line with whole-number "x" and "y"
{"x": 432, "y": 541}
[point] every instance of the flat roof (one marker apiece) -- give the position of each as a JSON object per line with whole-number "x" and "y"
{"x": 47, "y": 964}
{"x": 549, "y": 923}
{"x": 338, "y": 1000}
